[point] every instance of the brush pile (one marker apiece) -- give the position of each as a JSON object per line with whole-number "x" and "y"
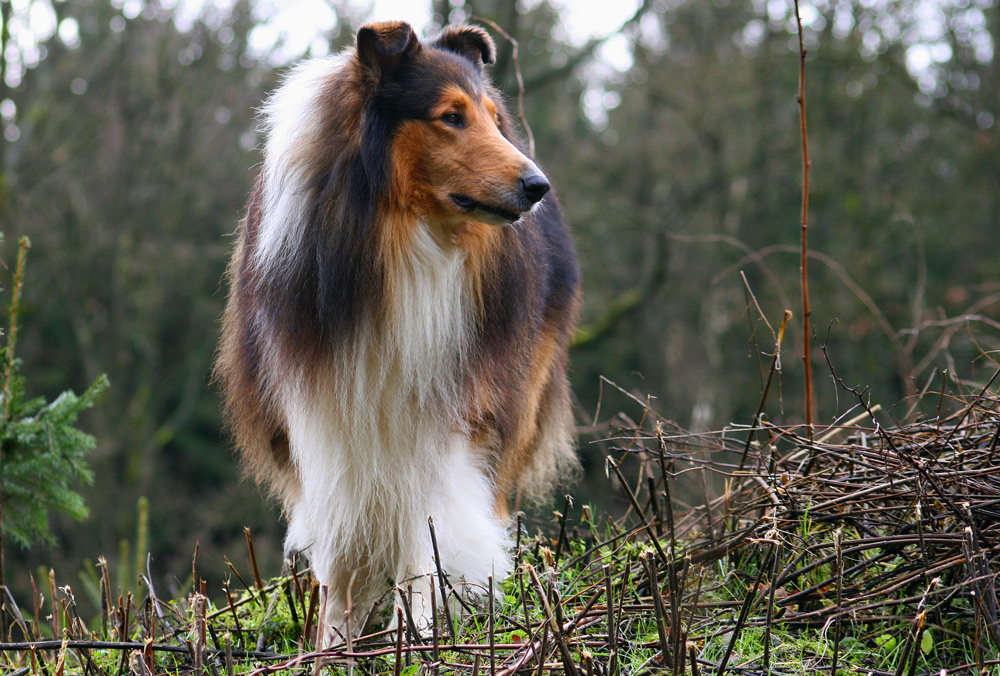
{"x": 885, "y": 541}
{"x": 858, "y": 547}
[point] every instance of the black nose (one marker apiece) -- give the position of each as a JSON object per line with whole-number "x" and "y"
{"x": 534, "y": 186}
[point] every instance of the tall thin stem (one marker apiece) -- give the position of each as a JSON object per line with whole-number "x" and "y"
{"x": 8, "y": 376}
{"x": 520, "y": 81}
{"x": 6, "y": 11}
{"x": 23, "y": 245}
{"x": 804, "y": 263}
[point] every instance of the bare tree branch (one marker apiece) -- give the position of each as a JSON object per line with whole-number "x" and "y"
{"x": 586, "y": 52}
{"x": 804, "y": 260}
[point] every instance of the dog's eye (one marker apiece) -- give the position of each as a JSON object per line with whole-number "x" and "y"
{"x": 453, "y": 119}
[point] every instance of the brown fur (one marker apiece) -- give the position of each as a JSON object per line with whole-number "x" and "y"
{"x": 314, "y": 298}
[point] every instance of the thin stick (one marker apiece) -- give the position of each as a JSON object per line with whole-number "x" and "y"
{"x": 492, "y": 625}
{"x": 804, "y": 264}
{"x": 562, "y": 529}
{"x": 406, "y": 596}
{"x": 310, "y": 613}
{"x": 435, "y": 640}
{"x": 748, "y": 602}
{"x": 349, "y": 610}
{"x": 36, "y": 603}
{"x": 228, "y": 639}
{"x": 770, "y": 613}
{"x": 441, "y": 580}
{"x": 288, "y": 591}
{"x": 838, "y": 536}
{"x": 106, "y": 602}
{"x": 253, "y": 560}
{"x": 239, "y": 577}
{"x": 517, "y": 543}
{"x": 23, "y": 245}
{"x": 298, "y": 585}
{"x": 642, "y": 515}
{"x": 775, "y": 368}
{"x": 554, "y": 625}
{"x": 543, "y": 649}
{"x": 520, "y": 81}
{"x": 400, "y": 623}
{"x": 199, "y": 644}
{"x": 56, "y": 631}
{"x": 187, "y": 648}
{"x": 612, "y": 634}
{"x": 659, "y": 612}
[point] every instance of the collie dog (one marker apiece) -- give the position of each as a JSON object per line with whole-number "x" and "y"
{"x": 402, "y": 298}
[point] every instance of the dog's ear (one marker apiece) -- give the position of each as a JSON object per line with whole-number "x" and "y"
{"x": 472, "y": 42}
{"x": 383, "y": 46}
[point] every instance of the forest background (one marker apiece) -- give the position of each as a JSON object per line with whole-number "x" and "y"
{"x": 130, "y": 144}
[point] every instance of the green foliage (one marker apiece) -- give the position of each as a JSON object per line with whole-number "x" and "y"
{"x": 43, "y": 453}
{"x": 130, "y": 569}
{"x": 44, "y": 459}
{"x": 134, "y": 149}
{"x": 128, "y": 191}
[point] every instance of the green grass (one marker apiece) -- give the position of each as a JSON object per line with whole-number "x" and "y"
{"x": 780, "y": 573}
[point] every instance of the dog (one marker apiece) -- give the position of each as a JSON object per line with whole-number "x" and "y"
{"x": 403, "y": 293}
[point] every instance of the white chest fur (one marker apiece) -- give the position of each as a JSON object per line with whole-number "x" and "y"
{"x": 382, "y": 445}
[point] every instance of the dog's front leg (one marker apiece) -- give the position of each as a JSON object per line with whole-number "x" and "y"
{"x": 470, "y": 543}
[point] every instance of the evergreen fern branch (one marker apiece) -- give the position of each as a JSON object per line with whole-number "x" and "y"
{"x": 43, "y": 455}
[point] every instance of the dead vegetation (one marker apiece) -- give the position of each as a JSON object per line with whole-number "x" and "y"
{"x": 867, "y": 548}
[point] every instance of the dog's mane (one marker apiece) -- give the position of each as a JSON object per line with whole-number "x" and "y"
{"x": 313, "y": 239}
{"x": 317, "y": 271}
{"x": 316, "y": 250}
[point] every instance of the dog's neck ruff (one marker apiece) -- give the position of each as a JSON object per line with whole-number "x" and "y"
{"x": 377, "y": 417}
{"x": 292, "y": 119}
{"x": 411, "y": 362}
{"x": 387, "y": 429}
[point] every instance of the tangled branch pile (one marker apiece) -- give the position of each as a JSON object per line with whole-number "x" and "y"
{"x": 864, "y": 547}
{"x": 879, "y": 538}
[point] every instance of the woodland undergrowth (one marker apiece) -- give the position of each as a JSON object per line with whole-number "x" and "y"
{"x": 869, "y": 549}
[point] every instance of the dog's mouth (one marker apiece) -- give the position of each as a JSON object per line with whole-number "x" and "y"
{"x": 467, "y": 205}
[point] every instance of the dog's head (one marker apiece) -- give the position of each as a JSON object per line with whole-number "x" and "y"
{"x": 450, "y": 153}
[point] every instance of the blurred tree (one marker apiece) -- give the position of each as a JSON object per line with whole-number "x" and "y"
{"x": 128, "y": 154}
{"x": 131, "y": 164}
{"x": 696, "y": 177}
{"x": 44, "y": 456}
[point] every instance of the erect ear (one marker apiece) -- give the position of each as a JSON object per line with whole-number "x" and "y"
{"x": 383, "y": 46}
{"x": 472, "y": 42}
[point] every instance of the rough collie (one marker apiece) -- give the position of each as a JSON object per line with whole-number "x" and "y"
{"x": 402, "y": 297}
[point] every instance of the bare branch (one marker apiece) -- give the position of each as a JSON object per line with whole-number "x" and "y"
{"x": 520, "y": 82}
{"x": 585, "y": 53}
{"x": 804, "y": 260}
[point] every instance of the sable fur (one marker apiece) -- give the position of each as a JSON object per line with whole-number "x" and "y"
{"x": 392, "y": 349}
